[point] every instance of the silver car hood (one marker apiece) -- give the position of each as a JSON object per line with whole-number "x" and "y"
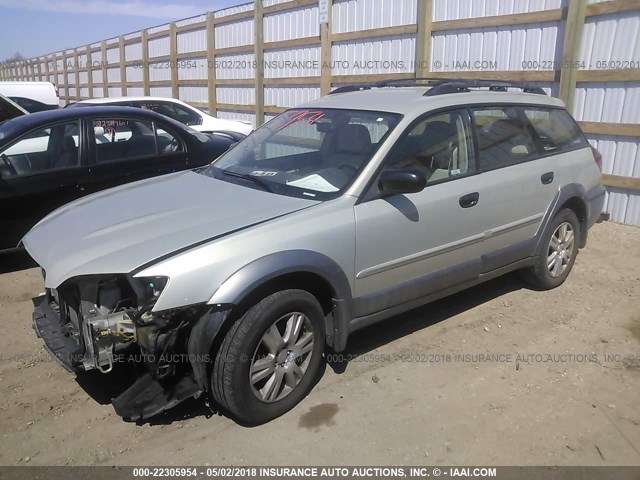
{"x": 120, "y": 229}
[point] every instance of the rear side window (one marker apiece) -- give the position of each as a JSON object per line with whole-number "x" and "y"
{"x": 556, "y": 129}
{"x": 503, "y": 137}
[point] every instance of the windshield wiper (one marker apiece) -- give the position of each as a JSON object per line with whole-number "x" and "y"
{"x": 251, "y": 178}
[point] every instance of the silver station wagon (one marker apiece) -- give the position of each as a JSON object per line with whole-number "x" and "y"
{"x": 231, "y": 280}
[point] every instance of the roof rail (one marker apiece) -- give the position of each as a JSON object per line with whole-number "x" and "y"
{"x": 394, "y": 82}
{"x": 441, "y": 86}
{"x": 409, "y": 82}
{"x": 353, "y": 88}
{"x": 460, "y": 85}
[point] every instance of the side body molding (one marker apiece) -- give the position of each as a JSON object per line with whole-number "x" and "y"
{"x": 275, "y": 265}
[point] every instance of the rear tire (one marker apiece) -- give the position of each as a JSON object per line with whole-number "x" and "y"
{"x": 558, "y": 253}
{"x": 269, "y": 359}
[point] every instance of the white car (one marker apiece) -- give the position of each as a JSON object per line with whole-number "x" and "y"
{"x": 178, "y": 110}
{"x": 32, "y": 96}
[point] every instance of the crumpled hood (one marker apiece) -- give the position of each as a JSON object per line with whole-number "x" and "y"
{"x": 120, "y": 229}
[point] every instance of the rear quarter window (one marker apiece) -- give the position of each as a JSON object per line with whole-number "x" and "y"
{"x": 556, "y": 129}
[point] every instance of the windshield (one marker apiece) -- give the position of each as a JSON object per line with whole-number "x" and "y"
{"x": 307, "y": 153}
{"x": 9, "y": 110}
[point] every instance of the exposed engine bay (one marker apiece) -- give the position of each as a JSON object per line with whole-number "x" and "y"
{"x": 98, "y": 322}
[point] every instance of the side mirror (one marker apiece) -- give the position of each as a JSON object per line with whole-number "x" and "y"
{"x": 401, "y": 181}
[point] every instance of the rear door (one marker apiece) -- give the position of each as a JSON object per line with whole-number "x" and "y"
{"x": 519, "y": 181}
{"x": 39, "y": 172}
{"x": 124, "y": 149}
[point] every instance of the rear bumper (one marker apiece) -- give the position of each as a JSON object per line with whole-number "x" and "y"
{"x": 594, "y": 200}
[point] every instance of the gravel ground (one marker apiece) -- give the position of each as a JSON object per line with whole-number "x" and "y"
{"x": 495, "y": 375}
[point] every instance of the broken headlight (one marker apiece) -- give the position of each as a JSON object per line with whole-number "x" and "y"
{"x": 120, "y": 305}
{"x": 148, "y": 290}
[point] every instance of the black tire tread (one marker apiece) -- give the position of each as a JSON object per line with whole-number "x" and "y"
{"x": 222, "y": 384}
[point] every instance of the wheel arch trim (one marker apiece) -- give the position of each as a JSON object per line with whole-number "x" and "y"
{"x": 564, "y": 195}
{"x": 264, "y": 269}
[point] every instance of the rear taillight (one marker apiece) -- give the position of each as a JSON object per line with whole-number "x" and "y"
{"x": 597, "y": 157}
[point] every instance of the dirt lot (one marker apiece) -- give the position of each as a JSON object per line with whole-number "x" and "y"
{"x": 570, "y": 405}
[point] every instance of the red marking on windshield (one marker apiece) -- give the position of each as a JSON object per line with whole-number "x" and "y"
{"x": 313, "y": 117}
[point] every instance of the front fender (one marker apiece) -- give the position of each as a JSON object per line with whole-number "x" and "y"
{"x": 244, "y": 281}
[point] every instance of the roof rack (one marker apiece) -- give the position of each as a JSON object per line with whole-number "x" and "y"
{"x": 460, "y": 85}
{"x": 395, "y": 82}
{"x": 441, "y": 86}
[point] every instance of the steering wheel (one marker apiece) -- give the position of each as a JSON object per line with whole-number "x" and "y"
{"x": 6, "y": 162}
{"x": 172, "y": 146}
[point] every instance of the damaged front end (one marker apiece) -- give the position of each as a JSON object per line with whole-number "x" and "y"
{"x": 97, "y": 322}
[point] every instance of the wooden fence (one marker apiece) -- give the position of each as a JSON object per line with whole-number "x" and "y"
{"x": 572, "y": 17}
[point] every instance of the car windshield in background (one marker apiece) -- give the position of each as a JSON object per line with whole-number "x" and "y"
{"x": 8, "y": 110}
{"x": 307, "y": 153}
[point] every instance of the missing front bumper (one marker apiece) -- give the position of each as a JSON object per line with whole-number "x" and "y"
{"x": 46, "y": 323}
{"x": 148, "y": 397}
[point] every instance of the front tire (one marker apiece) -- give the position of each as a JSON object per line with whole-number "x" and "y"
{"x": 269, "y": 360}
{"x": 558, "y": 253}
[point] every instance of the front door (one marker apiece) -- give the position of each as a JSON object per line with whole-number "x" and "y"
{"x": 39, "y": 172}
{"x": 410, "y": 245}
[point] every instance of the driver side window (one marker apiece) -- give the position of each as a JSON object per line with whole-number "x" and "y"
{"x": 439, "y": 146}
{"x": 168, "y": 143}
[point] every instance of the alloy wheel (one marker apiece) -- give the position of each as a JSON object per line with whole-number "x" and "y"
{"x": 282, "y": 357}
{"x": 560, "y": 249}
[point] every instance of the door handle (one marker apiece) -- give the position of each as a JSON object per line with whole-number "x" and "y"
{"x": 546, "y": 178}
{"x": 469, "y": 200}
